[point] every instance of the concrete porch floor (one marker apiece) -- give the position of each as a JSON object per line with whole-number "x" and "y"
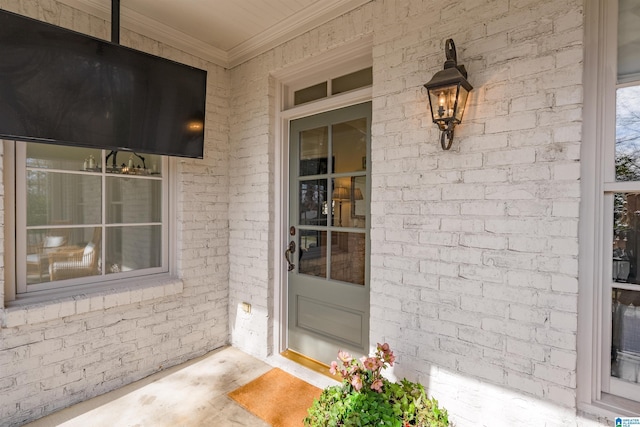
{"x": 191, "y": 394}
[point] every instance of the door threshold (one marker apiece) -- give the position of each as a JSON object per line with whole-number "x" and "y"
{"x": 309, "y": 363}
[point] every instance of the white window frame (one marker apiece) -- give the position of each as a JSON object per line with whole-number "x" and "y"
{"x": 598, "y": 392}
{"x": 15, "y": 286}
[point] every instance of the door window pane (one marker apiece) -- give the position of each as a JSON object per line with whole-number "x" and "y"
{"x": 350, "y": 145}
{"x": 341, "y": 202}
{"x": 131, "y": 200}
{"x": 313, "y": 202}
{"x": 349, "y": 201}
{"x": 313, "y": 253}
{"x": 348, "y": 257}
{"x": 625, "y": 349}
{"x": 314, "y": 151}
{"x": 59, "y": 198}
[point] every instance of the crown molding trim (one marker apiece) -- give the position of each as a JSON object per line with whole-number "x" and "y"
{"x": 291, "y": 27}
{"x": 288, "y": 29}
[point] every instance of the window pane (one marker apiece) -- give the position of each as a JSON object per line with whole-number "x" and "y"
{"x": 628, "y": 134}
{"x": 350, "y": 145}
{"x": 347, "y": 257}
{"x": 128, "y": 163}
{"x": 314, "y": 150}
{"x": 350, "y": 206}
{"x": 60, "y": 198}
{"x": 340, "y": 201}
{"x": 133, "y": 200}
{"x": 133, "y": 248}
{"x": 63, "y": 253}
{"x": 628, "y": 40}
{"x": 626, "y": 242}
{"x": 51, "y": 156}
{"x": 310, "y": 93}
{"x": 313, "y": 205}
{"x": 313, "y": 253}
{"x": 352, "y": 81}
{"x": 625, "y": 349}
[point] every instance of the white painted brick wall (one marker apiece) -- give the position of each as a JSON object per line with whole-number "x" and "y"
{"x": 474, "y": 250}
{"x": 497, "y": 274}
{"x": 56, "y": 354}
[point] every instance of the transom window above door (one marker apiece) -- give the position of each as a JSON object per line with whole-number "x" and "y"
{"x": 339, "y": 82}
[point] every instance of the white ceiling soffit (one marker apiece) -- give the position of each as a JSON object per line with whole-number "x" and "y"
{"x": 286, "y": 28}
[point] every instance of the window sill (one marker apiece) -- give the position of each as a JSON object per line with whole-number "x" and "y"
{"x": 610, "y": 407}
{"x": 30, "y": 310}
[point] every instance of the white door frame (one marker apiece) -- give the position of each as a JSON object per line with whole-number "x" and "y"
{"x": 330, "y": 61}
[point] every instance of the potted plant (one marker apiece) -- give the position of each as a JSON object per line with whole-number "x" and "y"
{"x": 366, "y": 398}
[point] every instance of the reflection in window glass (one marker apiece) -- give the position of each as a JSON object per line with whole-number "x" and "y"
{"x": 625, "y": 335}
{"x": 313, "y": 205}
{"x": 133, "y": 248}
{"x": 628, "y": 134}
{"x": 314, "y": 151}
{"x": 50, "y": 156}
{"x": 628, "y": 39}
{"x": 350, "y": 145}
{"x": 626, "y": 242}
{"x": 131, "y": 200}
{"x": 62, "y": 198}
{"x": 348, "y": 257}
{"x": 313, "y": 253}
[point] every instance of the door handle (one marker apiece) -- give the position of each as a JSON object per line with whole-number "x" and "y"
{"x": 290, "y": 250}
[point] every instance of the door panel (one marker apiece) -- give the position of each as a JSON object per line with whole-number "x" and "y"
{"x": 328, "y": 286}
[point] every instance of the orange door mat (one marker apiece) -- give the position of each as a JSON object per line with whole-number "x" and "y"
{"x": 280, "y": 399}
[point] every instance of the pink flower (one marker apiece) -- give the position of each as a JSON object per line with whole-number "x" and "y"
{"x": 344, "y": 356}
{"x": 390, "y": 358}
{"x": 370, "y": 363}
{"x": 383, "y": 347}
{"x": 356, "y": 382}
{"x": 334, "y": 368}
{"x": 377, "y": 385}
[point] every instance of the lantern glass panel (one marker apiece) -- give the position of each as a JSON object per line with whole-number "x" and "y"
{"x": 462, "y": 102}
{"x": 443, "y": 102}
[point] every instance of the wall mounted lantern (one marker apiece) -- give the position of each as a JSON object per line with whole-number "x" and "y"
{"x": 448, "y": 93}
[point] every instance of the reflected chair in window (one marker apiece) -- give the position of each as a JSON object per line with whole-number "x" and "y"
{"x": 73, "y": 261}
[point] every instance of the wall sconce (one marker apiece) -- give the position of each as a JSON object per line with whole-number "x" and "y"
{"x": 448, "y": 93}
